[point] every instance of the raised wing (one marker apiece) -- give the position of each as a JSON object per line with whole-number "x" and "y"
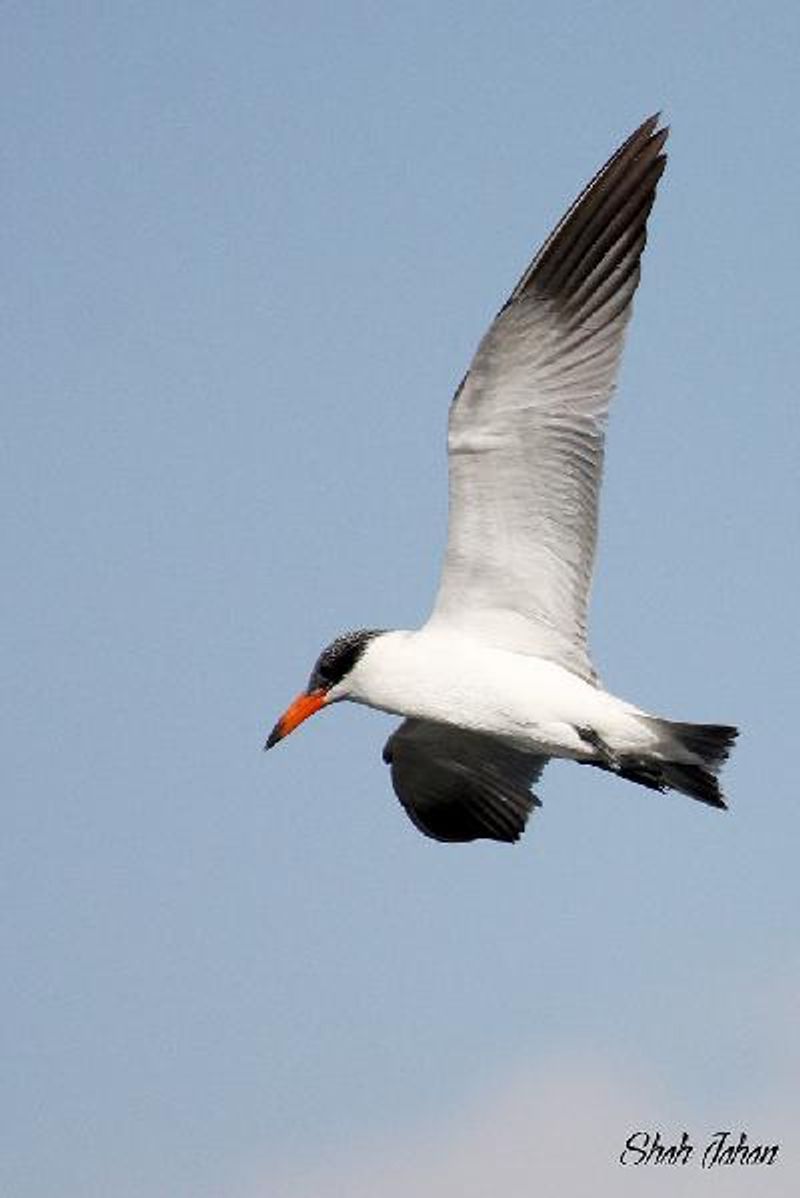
{"x": 457, "y": 785}
{"x": 527, "y": 424}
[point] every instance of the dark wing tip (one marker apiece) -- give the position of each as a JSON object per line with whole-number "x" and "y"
{"x": 459, "y": 786}
{"x": 605, "y": 228}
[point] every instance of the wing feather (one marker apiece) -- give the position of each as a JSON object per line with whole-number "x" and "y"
{"x": 527, "y": 425}
{"x": 457, "y": 785}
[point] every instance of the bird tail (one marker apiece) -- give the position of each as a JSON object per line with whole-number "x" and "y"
{"x": 688, "y": 758}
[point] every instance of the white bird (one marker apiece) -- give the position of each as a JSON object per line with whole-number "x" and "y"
{"x": 499, "y": 679}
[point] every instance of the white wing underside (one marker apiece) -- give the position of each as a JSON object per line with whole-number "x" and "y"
{"x": 527, "y": 425}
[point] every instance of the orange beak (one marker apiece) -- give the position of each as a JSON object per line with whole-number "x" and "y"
{"x": 303, "y": 706}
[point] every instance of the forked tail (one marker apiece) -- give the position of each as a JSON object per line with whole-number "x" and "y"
{"x": 688, "y": 758}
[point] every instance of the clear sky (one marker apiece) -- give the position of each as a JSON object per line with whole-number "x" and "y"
{"x": 248, "y": 250}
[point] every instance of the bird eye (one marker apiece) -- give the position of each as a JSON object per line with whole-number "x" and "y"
{"x": 322, "y": 676}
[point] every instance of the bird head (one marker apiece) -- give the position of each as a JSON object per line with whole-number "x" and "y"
{"x": 328, "y": 682}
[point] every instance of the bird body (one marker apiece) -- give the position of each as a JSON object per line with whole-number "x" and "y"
{"x": 500, "y": 678}
{"x": 534, "y": 704}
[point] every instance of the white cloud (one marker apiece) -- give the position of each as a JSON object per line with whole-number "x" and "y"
{"x": 559, "y": 1130}
{"x": 556, "y": 1132}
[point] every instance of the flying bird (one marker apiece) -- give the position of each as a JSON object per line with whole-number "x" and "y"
{"x": 499, "y": 679}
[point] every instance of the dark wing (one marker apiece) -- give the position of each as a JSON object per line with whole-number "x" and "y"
{"x": 527, "y": 425}
{"x": 458, "y": 785}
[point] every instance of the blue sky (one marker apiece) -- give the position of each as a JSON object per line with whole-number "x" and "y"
{"x": 250, "y": 250}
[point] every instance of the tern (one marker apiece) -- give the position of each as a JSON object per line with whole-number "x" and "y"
{"x": 499, "y": 679}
